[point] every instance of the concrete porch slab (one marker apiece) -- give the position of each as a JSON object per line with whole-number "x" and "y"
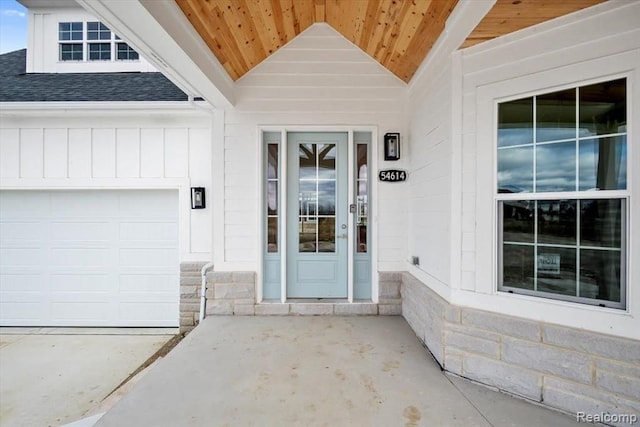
{"x": 288, "y": 371}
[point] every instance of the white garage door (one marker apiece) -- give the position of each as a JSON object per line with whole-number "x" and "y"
{"x": 89, "y": 258}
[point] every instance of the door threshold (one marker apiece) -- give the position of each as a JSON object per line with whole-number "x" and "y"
{"x": 326, "y": 301}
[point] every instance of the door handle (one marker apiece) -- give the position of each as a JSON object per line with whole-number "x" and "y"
{"x": 342, "y": 236}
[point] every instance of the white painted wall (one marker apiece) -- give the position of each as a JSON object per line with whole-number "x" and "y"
{"x": 319, "y": 79}
{"x": 594, "y": 44}
{"x": 43, "y": 45}
{"x": 93, "y": 149}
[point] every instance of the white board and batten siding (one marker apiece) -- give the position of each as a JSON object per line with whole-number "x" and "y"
{"x": 318, "y": 81}
{"x": 109, "y": 217}
{"x": 590, "y": 45}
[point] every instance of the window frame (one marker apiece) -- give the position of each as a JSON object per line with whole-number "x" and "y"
{"x": 577, "y": 196}
{"x": 86, "y": 42}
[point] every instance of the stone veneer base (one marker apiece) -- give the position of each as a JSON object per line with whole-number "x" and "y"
{"x": 565, "y": 368}
{"x": 234, "y": 293}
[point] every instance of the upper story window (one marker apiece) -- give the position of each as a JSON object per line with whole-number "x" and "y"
{"x": 562, "y": 194}
{"x": 98, "y": 31}
{"x": 91, "y": 41}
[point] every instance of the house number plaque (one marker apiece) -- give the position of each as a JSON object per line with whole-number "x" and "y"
{"x": 392, "y": 175}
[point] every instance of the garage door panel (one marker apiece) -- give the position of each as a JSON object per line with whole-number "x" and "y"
{"x": 81, "y": 258}
{"x": 81, "y": 231}
{"x": 20, "y": 283}
{"x": 20, "y": 257}
{"x": 147, "y": 257}
{"x": 81, "y": 283}
{"x": 86, "y": 204}
{"x": 17, "y": 232}
{"x": 87, "y": 254}
{"x": 132, "y": 311}
{"x": 73, "y": 313}
{"x": 152, "y": 206}
{"x": 148, "y": 283}
{"x": 23, "y": 205}
{"x": 27, "y": 313}
{"x": 148, "y": 232}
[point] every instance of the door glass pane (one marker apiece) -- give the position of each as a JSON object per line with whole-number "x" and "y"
{"x": 308, "y": 161}
{"x": 327, "y": 161}
{"x": 327, "y": 234}
{"x": 317, "y": 197}
{"x": 327, "y": 198}
{"x": 272, "y": 198}
{"x": 603, "y": 108}
{"x": 515, "y": 170}
{"x": 556, "y": 167}
{"x": 272, "y": 234}
{"x": 362, "y": 202}
{"x": 556, "y": 116}
{"x": 307, "y": 229}
{"x": 515, "y": 122}
{"x": 272, "y": 161}
{"x": 603, "y": 163}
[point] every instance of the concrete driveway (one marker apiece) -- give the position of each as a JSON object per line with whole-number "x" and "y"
{"x": 51, "y": 377}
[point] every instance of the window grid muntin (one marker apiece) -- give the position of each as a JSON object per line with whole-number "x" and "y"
{"x": 94, "y": 32}
{"x": 98, "y": 31}
{"x": 275, "y": 180}
{"x": 578, "y": 196}
{"x": 316, "y": 214}
{"x": 99, "y": 51}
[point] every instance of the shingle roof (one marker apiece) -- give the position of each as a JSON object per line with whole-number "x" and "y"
{"x": 18, "y": 86}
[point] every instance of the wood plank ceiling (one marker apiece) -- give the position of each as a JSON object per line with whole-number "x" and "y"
{"x": 396, "y": 33}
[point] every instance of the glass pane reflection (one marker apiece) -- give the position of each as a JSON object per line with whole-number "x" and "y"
{"x": 603, "y": 163}
{"x": 272, "y": 161}
{"x": 515, "y": 122}
{"x": 517, "y": 221}
{"x": 307, "y": 229}
{"x": 601, "y": 222}
{"x": 362, "y": 207}
{"x": 557, "y": 222}
{"x": 600, "y": 274}
{"x": 327, "y": 161}
{"x": 272, "y": 198}
{"x": 327, "y": 198}
{"x": 557, "y": 270}
{"x": 515, "y": 170}
{"x": 556, "y": 116}
{"x": 272, "y": 234}
{"x": 327, "y": 234}
{"x": 517, "y": 266}
{"x": 556, "y": 167}
{"x": 307, "y": 153}
{"x": 603, "y": 108}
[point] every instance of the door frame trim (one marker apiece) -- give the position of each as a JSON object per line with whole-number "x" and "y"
{"x": 373, "y": 212}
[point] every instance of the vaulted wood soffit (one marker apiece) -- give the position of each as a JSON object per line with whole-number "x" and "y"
{"x": 396, "y": 33}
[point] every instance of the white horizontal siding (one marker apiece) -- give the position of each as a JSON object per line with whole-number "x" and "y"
{"x": 595, "y": 43}
{"x": 56, "y": 153}
{"x": 319, "y": 79}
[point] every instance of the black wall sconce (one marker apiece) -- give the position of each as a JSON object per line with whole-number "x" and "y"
{"x": 391, "y": 146}
{"x": 197, "y": 198}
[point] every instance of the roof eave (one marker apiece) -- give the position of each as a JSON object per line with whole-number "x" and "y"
{"x": 161, "y": 33}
